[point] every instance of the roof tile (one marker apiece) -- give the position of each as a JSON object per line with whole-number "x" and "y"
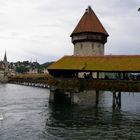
{"x": 89, "y": 23}
{"x": 98, "y": 63}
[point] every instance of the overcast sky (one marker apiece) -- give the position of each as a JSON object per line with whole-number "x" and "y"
{"x": 40, "y": 29}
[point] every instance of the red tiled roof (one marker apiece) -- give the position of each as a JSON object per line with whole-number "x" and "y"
{"x": 89, "y": 23}
{"x": 98, "y": 63}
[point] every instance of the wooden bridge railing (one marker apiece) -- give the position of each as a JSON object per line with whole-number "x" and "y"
{"x": 96, "y": 84}
{"x": 81, "y": 83}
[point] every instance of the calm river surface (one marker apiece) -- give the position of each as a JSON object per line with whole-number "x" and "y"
{"x": 28, "y": 116}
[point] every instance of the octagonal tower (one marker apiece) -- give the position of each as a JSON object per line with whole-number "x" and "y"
{"x": 89, "y": 36}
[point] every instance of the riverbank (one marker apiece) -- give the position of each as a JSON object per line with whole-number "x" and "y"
{"x": 3, "y": 79}
{"x": 34, "y": 80}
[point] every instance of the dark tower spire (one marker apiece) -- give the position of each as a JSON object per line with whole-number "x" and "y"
{"x": 6, "y": 63}
{"x": 5, "y": 57}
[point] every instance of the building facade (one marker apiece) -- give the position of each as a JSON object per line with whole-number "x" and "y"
{"x": 4, "y": 69}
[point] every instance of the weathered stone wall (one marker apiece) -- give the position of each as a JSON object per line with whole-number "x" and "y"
{"x": 84, "y": 98}
{"x": 88, "y": 49}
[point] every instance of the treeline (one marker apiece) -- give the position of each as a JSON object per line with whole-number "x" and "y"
{"x": 26, "y": 66}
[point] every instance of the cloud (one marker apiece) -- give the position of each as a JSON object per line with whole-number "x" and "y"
{"x": 41, "y": 28}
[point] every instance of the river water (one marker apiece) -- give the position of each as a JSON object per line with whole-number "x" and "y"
{"x": 27, "y": 115}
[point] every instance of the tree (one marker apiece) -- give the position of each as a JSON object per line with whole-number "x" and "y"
{"x": 22, "y": 69}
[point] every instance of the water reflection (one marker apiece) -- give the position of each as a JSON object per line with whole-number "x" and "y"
{"x": 28, "y": 115}
{"x": 74, "y": 122}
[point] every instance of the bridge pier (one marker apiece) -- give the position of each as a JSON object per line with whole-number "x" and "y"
{"x": 97, "y": 97}
{"x": 116, "y": 100}
{"x": 52, "y": 92}
{"x": 81, "y": 97}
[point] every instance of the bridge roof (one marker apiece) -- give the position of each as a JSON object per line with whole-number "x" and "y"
{"x": 110, "y": 63}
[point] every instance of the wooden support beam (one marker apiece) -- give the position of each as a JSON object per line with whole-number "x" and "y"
{"x": 97, "y": 75}
{"x": 76, "y": 74}
{"x": 119, "y": 74}
{"x": 116, "y": 102}
{"x": 97, "y": 97}
{"x": 119, "y": 99}
{"x": 123, "y": 75}
{"x": 114, "y": 99}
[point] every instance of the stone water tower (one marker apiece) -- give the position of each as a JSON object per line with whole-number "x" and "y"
{"x": 89, "y": 36}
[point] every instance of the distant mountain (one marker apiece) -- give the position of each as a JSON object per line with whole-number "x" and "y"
{"x": 47, "y": 64}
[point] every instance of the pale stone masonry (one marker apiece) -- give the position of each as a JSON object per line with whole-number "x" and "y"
{"x": 88, "y": 49}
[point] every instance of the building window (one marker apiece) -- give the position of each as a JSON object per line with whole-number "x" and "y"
{"x": 99, "y": 37}
{"x": 81, "y": 46}
{"x": 99, "y": 45}
{"x": 92, "y": 46}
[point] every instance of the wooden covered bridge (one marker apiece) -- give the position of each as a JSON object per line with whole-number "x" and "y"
{"x": 90, "y": 68}
{"x": 124, "y": 66}
{"x": 111, "y": 72}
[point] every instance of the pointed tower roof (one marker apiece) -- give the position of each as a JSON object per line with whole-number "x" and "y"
{"x": 89, "y": 23}
{"x": 5, "y": 57}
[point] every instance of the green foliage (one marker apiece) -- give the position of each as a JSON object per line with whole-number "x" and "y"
{"x": 25, "y": 66}
{"x": 22, "y": 69}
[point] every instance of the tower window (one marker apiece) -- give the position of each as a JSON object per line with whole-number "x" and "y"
{"x": 99, "y": 45}
{"x": 92, "y": 46}
{"x": 99, "y": 37}
{"x": 81, "y": 46}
